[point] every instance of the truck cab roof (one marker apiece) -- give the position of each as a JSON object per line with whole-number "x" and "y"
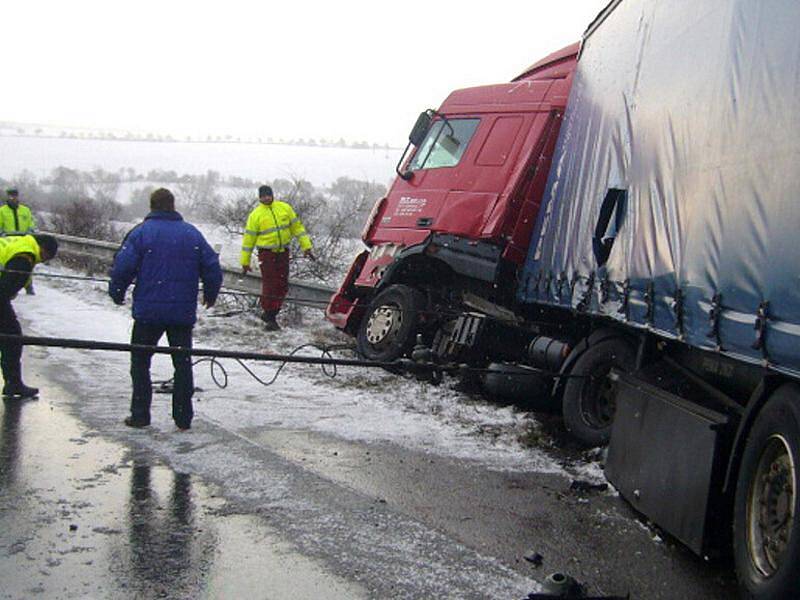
{"x": 538, "y": 84}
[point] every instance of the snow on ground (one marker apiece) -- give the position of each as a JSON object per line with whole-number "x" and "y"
{"x": 358, "y": 404}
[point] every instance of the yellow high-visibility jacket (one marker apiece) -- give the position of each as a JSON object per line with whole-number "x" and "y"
{"x": 19, "y": 244}
{"x": 15, "y": 224}
{"x": 272, "y": 226}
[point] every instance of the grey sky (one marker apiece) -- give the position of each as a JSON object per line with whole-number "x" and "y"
{"x": 352, "y": 69}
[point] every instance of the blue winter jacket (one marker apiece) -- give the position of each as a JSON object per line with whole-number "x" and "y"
{"x": 167, "y": 257}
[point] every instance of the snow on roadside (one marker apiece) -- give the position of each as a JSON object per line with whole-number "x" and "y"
{"x": 358, "y": 405}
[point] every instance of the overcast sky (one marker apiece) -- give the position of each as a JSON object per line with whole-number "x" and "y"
{"x": 294, "y": 68}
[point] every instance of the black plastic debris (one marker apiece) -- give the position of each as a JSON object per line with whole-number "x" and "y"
{"x": 579, "y": 485}
{"x": 534, "y": 558}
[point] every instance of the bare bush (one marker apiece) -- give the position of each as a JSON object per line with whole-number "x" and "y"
{"x": 85, "y": 217}
{"x": 352, "y": 200}
{"x": 231, "y": 212}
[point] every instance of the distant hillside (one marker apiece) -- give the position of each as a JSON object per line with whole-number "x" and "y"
{"x": 14, "y": 129}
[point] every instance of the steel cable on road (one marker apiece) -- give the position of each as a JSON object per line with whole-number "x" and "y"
{"x": 164, "y": 386}
{"x": 421, "y": 369}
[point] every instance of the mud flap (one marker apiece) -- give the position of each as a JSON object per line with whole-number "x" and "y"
{"x": 666, "y": 457}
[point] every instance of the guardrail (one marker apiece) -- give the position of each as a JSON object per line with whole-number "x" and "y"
{"x": 101, "y": 252}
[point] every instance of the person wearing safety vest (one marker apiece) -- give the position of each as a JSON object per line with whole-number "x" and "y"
{"x": 16, "y": 219}
{"x": 270, "y": 228}
{"x": 18, "y": 255}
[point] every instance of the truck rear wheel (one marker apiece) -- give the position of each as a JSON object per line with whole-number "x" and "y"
{"x": 388, "y": 329}
{"x": 766, "y": 542}
{"x": 589, "y": 399}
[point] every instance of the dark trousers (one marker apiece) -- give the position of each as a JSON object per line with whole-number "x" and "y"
{"x": 10, "y": 352}
{"x": 274, "y": 279}
{"x": 183, "y": 385}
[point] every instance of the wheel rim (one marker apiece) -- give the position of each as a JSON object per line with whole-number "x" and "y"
{"x": 383, "y": 324}
{"x": 598, "y": 401}
{"x": 770, "y": 506}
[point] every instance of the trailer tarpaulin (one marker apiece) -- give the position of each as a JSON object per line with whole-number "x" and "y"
{"x": 673, "y": 202}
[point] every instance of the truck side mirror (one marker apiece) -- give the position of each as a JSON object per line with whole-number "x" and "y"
{"x": 420, "y": 129}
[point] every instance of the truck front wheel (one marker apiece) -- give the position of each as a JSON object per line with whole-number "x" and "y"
{"x": 589, "y": 399}
{"x": 388, "y": 329}
{"x": 765, "y": 539}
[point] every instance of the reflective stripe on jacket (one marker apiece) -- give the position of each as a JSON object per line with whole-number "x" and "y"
{"x": 15, "y": 222}
{"x": 272, "y": 226}
{"x": 19, "y": 244}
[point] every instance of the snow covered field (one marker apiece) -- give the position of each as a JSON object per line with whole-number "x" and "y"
{"x": 358, "y": 404}
{"x": 319, "y": 165}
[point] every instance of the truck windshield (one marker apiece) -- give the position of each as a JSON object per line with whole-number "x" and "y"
{"x": 445, "y": 144}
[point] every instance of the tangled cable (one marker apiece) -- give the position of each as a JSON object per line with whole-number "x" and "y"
{"x": 165, "y": 386}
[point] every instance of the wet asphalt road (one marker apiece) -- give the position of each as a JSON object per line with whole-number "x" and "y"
{"x": 91, "y": 512}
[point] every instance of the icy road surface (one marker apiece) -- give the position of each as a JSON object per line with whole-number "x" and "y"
{"x": 358, "y": 404}
{"x": 401, "y": 489}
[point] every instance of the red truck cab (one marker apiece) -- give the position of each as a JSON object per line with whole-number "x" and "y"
{"x": 465, "y": 200}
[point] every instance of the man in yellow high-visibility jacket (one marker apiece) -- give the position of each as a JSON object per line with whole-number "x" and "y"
{"x": 16, "y": 219}
{"x": 270, "y": 228}
{"x": 18, "y": 255}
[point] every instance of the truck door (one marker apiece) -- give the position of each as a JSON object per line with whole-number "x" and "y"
{"x": 416, "y": 204}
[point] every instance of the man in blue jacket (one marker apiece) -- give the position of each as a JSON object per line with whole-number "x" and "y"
{"x": 168, "y": 258}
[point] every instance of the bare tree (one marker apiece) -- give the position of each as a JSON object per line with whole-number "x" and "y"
{"x": 198, "y": 194}
{"x": 68, "y": 184}
{"x": 103, "y": 185}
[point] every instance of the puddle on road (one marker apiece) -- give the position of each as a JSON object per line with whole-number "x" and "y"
{"x": 81, "y": 516}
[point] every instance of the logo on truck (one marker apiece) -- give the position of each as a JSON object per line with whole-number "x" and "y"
{"x": 407, "y": 206}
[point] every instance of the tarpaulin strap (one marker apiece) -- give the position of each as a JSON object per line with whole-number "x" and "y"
{"x": 572, "y": 284}
{"x": 650, "y": 302}
{"x": 762, "y": 316}
{"x": 714, "y": 314}
{"x": 562, "y": 279}
{"x": 586, "y": 300}
{"x": 604, "y": 289}
{"x": 677, "y": 307}
{"x": 626, "y": 296}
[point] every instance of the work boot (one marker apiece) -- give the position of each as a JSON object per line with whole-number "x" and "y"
{"x": 19, "y": 391}
{"x": 269, "y": 320}
{"x": 135, "y": 423}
